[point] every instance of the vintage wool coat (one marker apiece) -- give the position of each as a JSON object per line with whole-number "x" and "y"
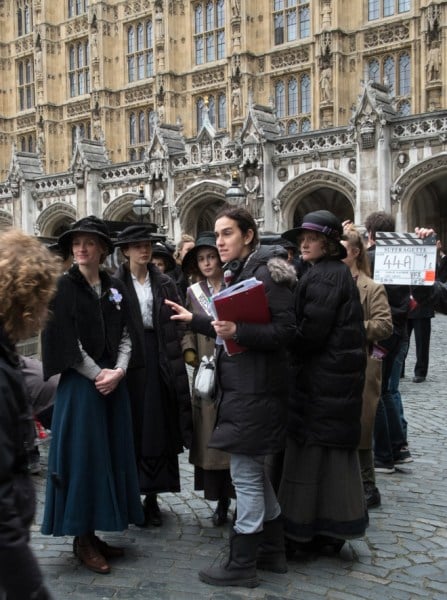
{"x": 378, "y": 327}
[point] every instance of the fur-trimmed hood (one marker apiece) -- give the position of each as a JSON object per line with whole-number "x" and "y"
{"x": 282, "y": 271}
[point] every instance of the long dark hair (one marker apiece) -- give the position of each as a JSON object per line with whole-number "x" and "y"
{"x": 244, "y": 220}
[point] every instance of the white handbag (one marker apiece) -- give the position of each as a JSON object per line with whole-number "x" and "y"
{"x": 204, "y": 383}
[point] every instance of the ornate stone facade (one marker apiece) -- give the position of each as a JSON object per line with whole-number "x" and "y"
{"x": 323, "y": 120}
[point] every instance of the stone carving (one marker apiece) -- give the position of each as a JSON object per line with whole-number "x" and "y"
{"x": 236, "y": 8}
{"x": 236, "y": 101}
{"x": 387, "y": 34}
{"x": 434, "y": 60}
{"x": 290, "y": 57}
{"x": 158, "y": 199}
{"x": 208, "y": 77}
{"x": 326, "y": 84}
{"x": 251, "y": 187}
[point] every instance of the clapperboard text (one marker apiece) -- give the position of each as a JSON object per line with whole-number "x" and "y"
{"x": 404, "y": 259}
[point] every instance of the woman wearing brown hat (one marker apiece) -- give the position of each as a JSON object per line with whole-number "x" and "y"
{"x": 321, "y": 493}
{"x": 159, "y": 391}
{"x": 211, "y": 466}
{"x": 92, "y": 482}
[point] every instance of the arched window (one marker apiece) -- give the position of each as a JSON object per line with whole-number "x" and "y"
{"x": 404, "y": 108}
{"x": 291, "y": 20}
{"x": 25, "y": 84}
{"x": 404, "y": 74}
{"x": 140, "y": 51}
{"x": 292, "y": 127}
{"x": 130, "y": 40}
{"x": 200, "y": 105}
{"x": 209, "y": 33}
{"x": 140, "y": 36}
{"x": 212, "y": 110}
{"x": 378, "y": 9}
{"x": 305, "y": 94}
{"x": 222, "y": 111}
{"x": 198, "y": 19}
{"x": 24, "y": 17}
{"x": 79, "y": 69}
{"x": 305, "y": 125}
{"x": 141, "y": 127}
{"x": 389, "y": 72}
{"x": 374, "y": 70}
{"x": 280, "y": 100}
{"x": 292, "y": 96}
{"x": 132, "y": 129}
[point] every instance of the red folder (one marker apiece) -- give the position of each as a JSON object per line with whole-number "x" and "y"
{"x": 244, "y": 302}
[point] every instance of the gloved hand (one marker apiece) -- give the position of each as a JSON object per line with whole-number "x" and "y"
{"x": 191, "y": 358}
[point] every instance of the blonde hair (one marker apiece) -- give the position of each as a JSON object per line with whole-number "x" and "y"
{"x": 28, "y": 275}
{"x": 355, "y": 240}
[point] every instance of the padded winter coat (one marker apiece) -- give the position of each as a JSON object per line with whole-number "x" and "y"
{"x": 330, "y": 358}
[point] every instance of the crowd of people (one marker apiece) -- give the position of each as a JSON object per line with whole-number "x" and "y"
{"x": 301, "y": 419}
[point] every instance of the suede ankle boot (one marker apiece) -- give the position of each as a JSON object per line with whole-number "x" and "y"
{"x": 240, "y": 568}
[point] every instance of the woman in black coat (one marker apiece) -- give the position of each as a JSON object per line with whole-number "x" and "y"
{"x": 27, "y": 283}
{"x": 159, "y": 391}
{"x": 321, "y": 492}
{"x": 251, "y": 394}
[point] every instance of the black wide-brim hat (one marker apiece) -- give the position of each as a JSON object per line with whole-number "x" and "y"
{"x": 90, "y": 224}
{"x": 134, "y": 234}
{"x": 161, "y": 251}
{"x": 206, "y": 239}
{"x": 321, "y": 221}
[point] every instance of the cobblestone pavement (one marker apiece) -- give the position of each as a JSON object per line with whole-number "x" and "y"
{"x": 403, "y": 556}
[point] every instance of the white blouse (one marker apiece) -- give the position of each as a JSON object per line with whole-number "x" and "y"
{"x": 145, "y": 299}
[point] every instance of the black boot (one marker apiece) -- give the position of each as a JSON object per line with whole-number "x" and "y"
{"x": 220, "y": 514}
{"x": 272, "y": 551}
{"x": 152, "y": 512}
{"x": 240, "y": 569}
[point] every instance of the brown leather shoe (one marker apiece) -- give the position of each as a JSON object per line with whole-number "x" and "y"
{"x": 90, "y": 556}
{"x": 106, "y": 549}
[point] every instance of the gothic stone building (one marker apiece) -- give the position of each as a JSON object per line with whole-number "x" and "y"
{"x": 311, "y": 103}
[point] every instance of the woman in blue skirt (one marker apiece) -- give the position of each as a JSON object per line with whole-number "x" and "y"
{"x": 92, "y": 478}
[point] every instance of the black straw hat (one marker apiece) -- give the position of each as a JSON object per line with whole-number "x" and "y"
{"x": 206, "y": 239}
{"x": 135, "y": 234}
{"x": 321, "y": 221}
{"x": 90, "y": 224}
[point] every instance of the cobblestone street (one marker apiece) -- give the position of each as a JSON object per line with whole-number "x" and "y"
{"x": 403, "y": 556}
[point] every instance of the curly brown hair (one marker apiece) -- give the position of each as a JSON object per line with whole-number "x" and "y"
{"x": 28, "y": 281}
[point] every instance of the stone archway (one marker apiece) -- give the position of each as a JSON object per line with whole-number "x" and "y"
{"x": 421, "y": 196}
{"x": 198, "y": 205}
{"x": 120, "y": 209}
{"x": 55, "y": 219}
{"x": 314, "y": 190}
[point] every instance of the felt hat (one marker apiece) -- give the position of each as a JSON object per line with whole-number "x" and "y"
{"x": 90, "y": 224}
{"x": 321, "y": 221}
{"x": 135, "y": 234}
{"x": 159, "y": 250}
{"x": 206, "y": 239}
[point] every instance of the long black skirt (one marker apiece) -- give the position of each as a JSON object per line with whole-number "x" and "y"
{"x": 321, "y": 493}
{"x": 156, "y": 454}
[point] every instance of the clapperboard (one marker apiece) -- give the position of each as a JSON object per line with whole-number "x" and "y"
{"x": 404, "y": 259}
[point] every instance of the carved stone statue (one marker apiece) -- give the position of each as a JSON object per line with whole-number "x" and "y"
{"x": 326, "y": 84}
{"x": 236, "y": 8}
{"x": 236, "y": 103}
{"x": 434, "y": 60}
{"x": 158, "y": 198}
{"x": 251, "y": 187}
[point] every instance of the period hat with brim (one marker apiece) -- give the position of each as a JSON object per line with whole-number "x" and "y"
{"x": 89, "y": 224}
{"x": 135, "y": 234}
{"x": 206, "y": 239}
{"x": 321, "y": 221}
{"x": 159, "y": 250}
